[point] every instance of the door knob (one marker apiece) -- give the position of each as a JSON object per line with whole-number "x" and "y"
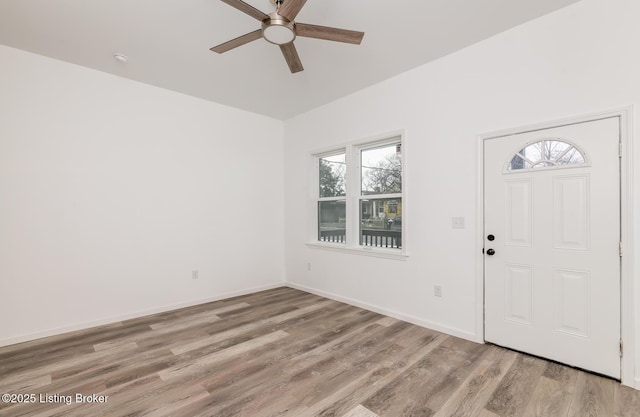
{"x": 490, "y": 252}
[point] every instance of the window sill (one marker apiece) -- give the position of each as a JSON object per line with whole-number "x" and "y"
{"x": 366, "y": 251}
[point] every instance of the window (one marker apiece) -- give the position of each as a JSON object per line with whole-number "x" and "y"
{"x": 548, "y": 153}
{"x": 381, "y": 193}
{"x": 332, "y": 198}
{"x": 359, "y": 198}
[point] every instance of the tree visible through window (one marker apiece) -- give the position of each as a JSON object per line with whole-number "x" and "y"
{"x": 382, "y": 170}
{"x": 332, "y": 176}
{"x": 547, "y": 153}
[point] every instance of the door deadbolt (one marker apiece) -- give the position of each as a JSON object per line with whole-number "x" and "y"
{"x": 490, "y": 238}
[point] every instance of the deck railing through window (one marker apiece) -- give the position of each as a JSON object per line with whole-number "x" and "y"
{"x": 336, "y": 235}
{"x": 373, "y": 238}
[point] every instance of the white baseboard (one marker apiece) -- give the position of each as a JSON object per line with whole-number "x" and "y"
{"x": 400, "y": 316}
{"x": 132, "y": 315}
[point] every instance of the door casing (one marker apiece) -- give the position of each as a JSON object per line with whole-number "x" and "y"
{"x": 627, "y": 296}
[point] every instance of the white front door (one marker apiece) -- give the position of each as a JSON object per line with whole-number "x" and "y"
{"x": 552, "y": 235}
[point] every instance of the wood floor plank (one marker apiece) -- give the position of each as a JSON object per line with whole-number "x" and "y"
{"x": 263, "y": 382}
{"x": 475, "y": 391}
{"x": 287, "y": 353}
{"x": 353, "y": 362}
{"x": 180, "y": 323}
{"x": 124, "y": 399}
{"x": 593, "y": 397}
{"x": 548, "y": 399}
{"x": 212, "y": 311}
{"x": 386, "y": 321}
{"x": 249, "y": 366}
{"x": 424, "y": 388}
{"x": 115, "y": 344}
{"x": 626, "y": 401}
{"x": 512, "y": 396}
{"x": 17, "y": 378}
{"x": 247, "y": 327}
{"x": 194, "y": 367}
{"x": 368, "y": 384}
{"x": 554, "y": 393}
{"x": 486, "y": 413}
{"x": 360, "y": 411}
{"x": 25, "y": 385}
{"x": 171, "y": 401}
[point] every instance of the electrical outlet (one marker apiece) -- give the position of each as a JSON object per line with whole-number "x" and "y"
{"x": 195, "y": 274}
{"x": 437, "y": 291}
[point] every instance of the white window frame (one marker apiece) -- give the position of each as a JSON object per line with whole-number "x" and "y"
{"x": 353, "y": 196}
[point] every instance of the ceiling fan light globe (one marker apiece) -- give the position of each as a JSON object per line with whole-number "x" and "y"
{"x": 278, "y": 32}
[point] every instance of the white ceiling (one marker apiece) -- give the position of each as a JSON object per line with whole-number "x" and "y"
{"x": 168, "y": 41}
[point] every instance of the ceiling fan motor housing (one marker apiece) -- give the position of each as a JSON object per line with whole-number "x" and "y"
{"x": 278, "y": 29}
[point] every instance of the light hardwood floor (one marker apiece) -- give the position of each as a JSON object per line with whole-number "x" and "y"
{"x": 284, "y": 352}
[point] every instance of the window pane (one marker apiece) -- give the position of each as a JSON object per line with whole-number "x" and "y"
{"x": 332, "y": 221}
{"x": 381, "y": 222}
{"x": 381, "y": 171}
{"x": 518, "y": 163}
{"x": 332, "y": 176}
{"x": 545, "y": 154}
{"x": 572, "y": 157}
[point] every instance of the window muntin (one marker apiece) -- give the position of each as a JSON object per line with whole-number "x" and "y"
{"x": 547, "y": 153}
{"x": 368, "y": 214}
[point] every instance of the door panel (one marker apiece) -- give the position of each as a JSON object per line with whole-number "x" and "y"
{"x": 572, "y": 306}
{"x": 571, "y": 212}
{"x": 518, "y": 283}
{"x": 518, "y": 212}
{"x": 552, "y": 283}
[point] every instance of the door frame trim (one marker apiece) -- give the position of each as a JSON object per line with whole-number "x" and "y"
{"x": 627, "y": 222}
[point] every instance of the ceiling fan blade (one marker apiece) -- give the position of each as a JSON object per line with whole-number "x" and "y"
{"x": 331, "y": 34}
{"x": 291, "y": 56}
{"x": 247, "y": 8}
{"x": 291, "y": 8}
{"x": 239, "y": 41}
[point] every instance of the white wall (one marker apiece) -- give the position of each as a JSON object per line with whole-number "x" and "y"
{"x": 578, "y": 60}
{"x": 112, "y": 192}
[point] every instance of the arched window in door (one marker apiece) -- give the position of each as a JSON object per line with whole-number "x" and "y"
{"x": 547, "y": 153}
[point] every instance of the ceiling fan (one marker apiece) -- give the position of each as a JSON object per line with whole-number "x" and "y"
{"x": 280, "y": 29}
